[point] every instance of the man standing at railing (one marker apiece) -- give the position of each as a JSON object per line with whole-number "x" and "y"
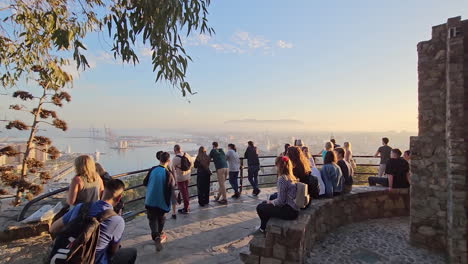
{"x": 251, "y": 154}
{"x": 384, "y": 153}
{"x": 182, "y": 167}
{"x": 219, "y": 159}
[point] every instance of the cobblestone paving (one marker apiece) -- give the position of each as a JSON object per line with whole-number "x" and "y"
{"x": 212, "y": 234}
{"x": 374, "y": 241}
{"x": 25, "y": 251}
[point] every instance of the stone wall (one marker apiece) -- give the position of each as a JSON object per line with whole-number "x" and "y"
{"x": 439, "y": 204}
{"x": 290, "y": 241}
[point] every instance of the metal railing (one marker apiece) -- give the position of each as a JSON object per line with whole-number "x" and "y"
{"x": 130, "y": 214}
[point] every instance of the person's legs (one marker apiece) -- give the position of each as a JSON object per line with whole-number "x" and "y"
{"x": 153, "y": 222}
{"x": 200, "y": 193}
{"x": 250, "y": 177}
{"x": 161, "y": 216}
{"x": 378, "y": 180}
{"x": 233, "y": 175}
{"x": 382, "y": 169}
{"x": 183, "y": 188}
{"x": 221, "y": 173}
{"x": 266, "y": 211}
{"x": 206, "y": 189}
{"x": 124, "y": 256}
{"x": 255, "y": 177}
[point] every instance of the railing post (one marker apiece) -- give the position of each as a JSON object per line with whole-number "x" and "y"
{"x": 241, "y": 174}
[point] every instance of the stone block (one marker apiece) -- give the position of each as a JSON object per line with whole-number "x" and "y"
{"x": 264, "y": 260}
{"x": 249, "y": 258}
{"x": 279, "y": 251}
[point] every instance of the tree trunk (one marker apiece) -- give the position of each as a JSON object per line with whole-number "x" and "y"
{"x": 24, "y": 167}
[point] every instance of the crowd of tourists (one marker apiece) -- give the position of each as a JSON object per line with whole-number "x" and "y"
{"x": 95, "y": 205}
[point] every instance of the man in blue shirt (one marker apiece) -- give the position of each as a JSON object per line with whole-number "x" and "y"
{"x": 108, "y": 247}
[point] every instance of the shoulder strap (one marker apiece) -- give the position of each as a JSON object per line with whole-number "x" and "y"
{"x": 105, "y": 215}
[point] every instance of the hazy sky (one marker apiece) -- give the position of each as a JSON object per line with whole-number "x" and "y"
{"x": 332, "y": 65}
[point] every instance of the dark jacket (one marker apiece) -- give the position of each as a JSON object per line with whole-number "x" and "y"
{"x": 251, "y": 155}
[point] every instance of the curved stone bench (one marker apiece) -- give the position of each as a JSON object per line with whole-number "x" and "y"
{"x": 290, "y": 241}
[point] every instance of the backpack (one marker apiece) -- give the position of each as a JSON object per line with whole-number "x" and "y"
{"x": 313, "y": 186}
{"x": 302, "y": 195}
{"x": 77, "y": 242}
{"x": 185, "y": 163}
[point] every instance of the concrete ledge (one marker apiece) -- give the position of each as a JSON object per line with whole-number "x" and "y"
{"x": 20, "y": 231}
{"x": 290, "y": 241}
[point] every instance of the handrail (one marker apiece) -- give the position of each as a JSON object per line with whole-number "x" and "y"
{"x": 52, "y": 193}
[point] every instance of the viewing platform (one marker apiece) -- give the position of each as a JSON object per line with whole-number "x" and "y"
{"x": 223, "y": 234}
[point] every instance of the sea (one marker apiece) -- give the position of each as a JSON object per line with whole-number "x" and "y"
{"x": 114, "y": 160}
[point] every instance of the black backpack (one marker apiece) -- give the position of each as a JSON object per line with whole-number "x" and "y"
{"x": 185, "y": 163}
{"x": 77, "y": 242}
{"x": 313, "y": 186}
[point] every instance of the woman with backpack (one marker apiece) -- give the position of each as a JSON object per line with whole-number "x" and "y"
{"x": 87, "y": 185}
{"x": 159, "y": 184}
{"x": 283, "y": 207}
{"x": 202, "y": 164}
{"x": 331, "y": 175}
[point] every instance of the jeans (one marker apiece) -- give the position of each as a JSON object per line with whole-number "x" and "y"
{"x": 266, "y": 211}
{"x": 253, "y": 176}
{"x": 222, "y": 175}
{"x": 124, "y": 256}
{"x": 233, "y": 176}
{"x": 378, "y": 180}
{"x": 183, "y": 189}
{"x": 156, "y": 220}
{"x": 203, "y": 186}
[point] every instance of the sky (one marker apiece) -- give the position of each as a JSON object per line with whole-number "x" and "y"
{"x": 327, "y": 65}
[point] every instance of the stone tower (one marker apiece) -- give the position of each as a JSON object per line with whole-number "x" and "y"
{"x": 439, "y": 181}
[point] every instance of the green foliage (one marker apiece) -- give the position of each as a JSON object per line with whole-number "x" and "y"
{"x": 38, "y": 38}
{"x": 45, "y": 33}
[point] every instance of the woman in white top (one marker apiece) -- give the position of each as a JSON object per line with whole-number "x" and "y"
{"x": 314, "y": 171}
{"x": 234, "y": 166}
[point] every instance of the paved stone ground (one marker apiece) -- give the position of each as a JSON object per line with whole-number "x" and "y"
{"x": 374, "y": 241}
{"x": 218, "y": 233}
{"x": 212, "y": 234}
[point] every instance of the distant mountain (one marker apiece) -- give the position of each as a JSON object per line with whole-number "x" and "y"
{"x": 264, "y": 122}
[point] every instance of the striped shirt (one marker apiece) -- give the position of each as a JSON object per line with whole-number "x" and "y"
{"x": 286, "y": 193}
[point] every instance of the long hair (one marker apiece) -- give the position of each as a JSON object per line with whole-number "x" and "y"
{"x": 329, "y": 146}
{"x": 202, "y": 157}
{"x": 330, "y": 157}
{"x": 299, "y": 160}
{"x": 347, "y": 145}
{"x": 85, "y": 168}
{"x": 99, "y": 169}
{"x": 306, "y": 152}
{"x": 284, "y": 168}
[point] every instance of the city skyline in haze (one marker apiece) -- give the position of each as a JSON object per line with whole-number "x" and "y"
{"x": 319, "y": 66}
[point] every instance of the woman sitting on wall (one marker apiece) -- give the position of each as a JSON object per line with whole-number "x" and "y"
{"x": 300, "y": 163}
{"x": 87, "y": 185}
{"x": 284, "y": 206}
{"x": 331, "y": 175}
